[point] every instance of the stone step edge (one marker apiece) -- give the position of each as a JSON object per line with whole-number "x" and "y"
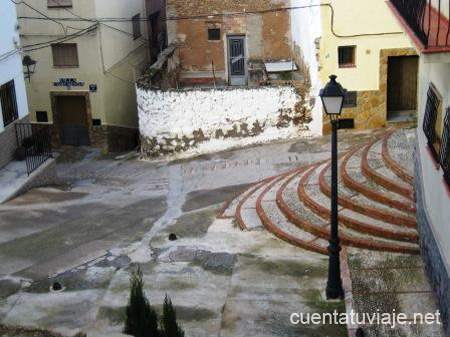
{"x": 240, "y": 221}
{"x": 392, "y": 164}
{"x": 270, "y": 227}
{"x": 348, "y": 222}
{"x": 324, "y": 233}
{"x": 368, "y": 192}
{"x": 362, "y": 209}
{"x": 380, "y": 179}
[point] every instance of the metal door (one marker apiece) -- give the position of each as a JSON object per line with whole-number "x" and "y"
{"x": 73, "y": 119}
{"x": 237, "y": 60}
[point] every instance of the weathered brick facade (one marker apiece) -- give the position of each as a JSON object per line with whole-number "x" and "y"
{"x": 267, "y": 33}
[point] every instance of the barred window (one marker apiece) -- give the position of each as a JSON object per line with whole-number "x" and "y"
{"x": 347, "y": 56}
{"x": 8, "y": 103}
{"x": 136, "y": 20}
{"x": 351, "y": 99}
{"x": 214, "y": 34}
{"x": 65, "y": 55}
{"x": 445, "y": 148}
{"x": 432, "y": 123}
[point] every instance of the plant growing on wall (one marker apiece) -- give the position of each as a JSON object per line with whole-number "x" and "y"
{"x": 169, "y": 325}
{"x": 140, "y": 318}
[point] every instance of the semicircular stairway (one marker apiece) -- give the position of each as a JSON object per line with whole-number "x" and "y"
{"x": 376, "y": 208}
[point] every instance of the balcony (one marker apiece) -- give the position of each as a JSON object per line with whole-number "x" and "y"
{"x": 426, "y": 21}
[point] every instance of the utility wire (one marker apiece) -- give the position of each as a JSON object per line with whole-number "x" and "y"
{"x": 242, "y": 13}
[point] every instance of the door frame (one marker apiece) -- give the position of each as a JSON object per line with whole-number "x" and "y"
{"x": 57, "y": 117}
{"x": 227, "y": 56}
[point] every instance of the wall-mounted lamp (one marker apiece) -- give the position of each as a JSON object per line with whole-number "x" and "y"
{"x": 30, "y": 64}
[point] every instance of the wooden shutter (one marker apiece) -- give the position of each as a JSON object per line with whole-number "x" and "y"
{"x": 65, "y": 55}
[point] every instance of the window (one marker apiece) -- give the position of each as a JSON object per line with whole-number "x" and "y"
{"x": 445, "y": 149}
{"x": 59, "y": 3}
{"x": 65, "y": 55}
{"x": 8, "y": 102}
{"x": 347, "y": 56}
{"x": 214, "y": 34}
{"x": 136, "y": 20}
{"x": 432, "y": 123}
{"x": 351, "y": 99}
{"x": 41, "y": 116}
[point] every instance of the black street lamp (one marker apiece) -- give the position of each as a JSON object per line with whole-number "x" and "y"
{"x": 333, "y": 99}
{"x": 30, "y": 64}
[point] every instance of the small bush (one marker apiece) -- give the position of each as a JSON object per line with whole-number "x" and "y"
{"x": 169, "y": 325}
{"x": 140, "y": 319}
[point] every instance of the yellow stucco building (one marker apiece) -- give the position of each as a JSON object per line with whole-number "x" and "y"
{"x": 84, "y": 79}
{"x": 364, "y": 45}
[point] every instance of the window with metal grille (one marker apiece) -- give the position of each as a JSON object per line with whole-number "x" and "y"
{"x": 65, "y": 55}
{"x": 8, "y": 102}
{"x": 214, "y": 34}
{"x": 59, "y": 3}
{"x": 445, "y": 148}
{"x": 136, "y": 20}
{"x": 351, "y": 99}
{"x": 347, "y": 56}
{"x": 432, "y": 123}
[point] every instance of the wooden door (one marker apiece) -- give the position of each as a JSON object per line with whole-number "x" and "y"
{"x": 402, "y": 83}
{"x": 73, "y": 120}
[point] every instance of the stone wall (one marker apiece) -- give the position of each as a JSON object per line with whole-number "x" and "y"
{"x": 267, "y": 34}
{"x": 176, "y": 121}
{"x": 437, "y": 272}
{"x": 8, "y": 142}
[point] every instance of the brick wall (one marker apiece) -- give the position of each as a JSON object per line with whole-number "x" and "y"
{"x": 8, "y": 142}
{"x": 267, "y": 34}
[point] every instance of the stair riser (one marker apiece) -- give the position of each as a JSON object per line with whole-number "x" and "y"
{"x": 374, "y": 213}
{"x": 372, "y": 194}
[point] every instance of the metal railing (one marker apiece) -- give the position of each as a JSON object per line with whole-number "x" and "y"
{"x": 445, "y": 149}
{"x": 35, "y": 142}
{"x": 428, "y": 20}
{"x": 430, "y": 118}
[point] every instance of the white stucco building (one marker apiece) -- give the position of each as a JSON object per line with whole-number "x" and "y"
{"x": 13, "y": 99}
{"x": 432, "y": 173}
{"x": 86, "y": 68}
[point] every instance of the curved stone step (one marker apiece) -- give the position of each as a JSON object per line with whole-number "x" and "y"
{"x": 312, "y": 197}
{"x": 373, "y": 167}
{"x": 350, "y": 171}
{"x": 276, "y": 223}
{"x": 395, "y": 152}
{"x": 305, "y": 219}
{"x": 357, "y": 202}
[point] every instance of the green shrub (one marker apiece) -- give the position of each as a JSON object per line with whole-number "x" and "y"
{"x": 140, "y": 319}
{"x": 169, "y": 325}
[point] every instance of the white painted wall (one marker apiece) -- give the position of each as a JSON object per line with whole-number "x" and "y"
{"x": 436, "y": 198}
{"x": 10, "y": 58}
{"x": 306, "y": 27}
{"x": 170, "y": 114}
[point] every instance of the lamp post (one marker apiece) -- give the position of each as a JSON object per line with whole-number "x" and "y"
{"x": 333, "y": 99}
{"x": 30, "y": 64}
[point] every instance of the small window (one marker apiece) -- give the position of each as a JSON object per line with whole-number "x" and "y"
{"x": 96, "y": 122}
{"x": 347, "y": 56}
{"x": 59, "y": 3}
{"x": 350, "y": 100}
{"x": 136, "y": 20}
{"x": 8, "y": 103}
{"x": 214, "y": 34}
{"x": 41, "y": 116}
{"x": 65, "y": 55}
{"x": 432, "y": 123}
